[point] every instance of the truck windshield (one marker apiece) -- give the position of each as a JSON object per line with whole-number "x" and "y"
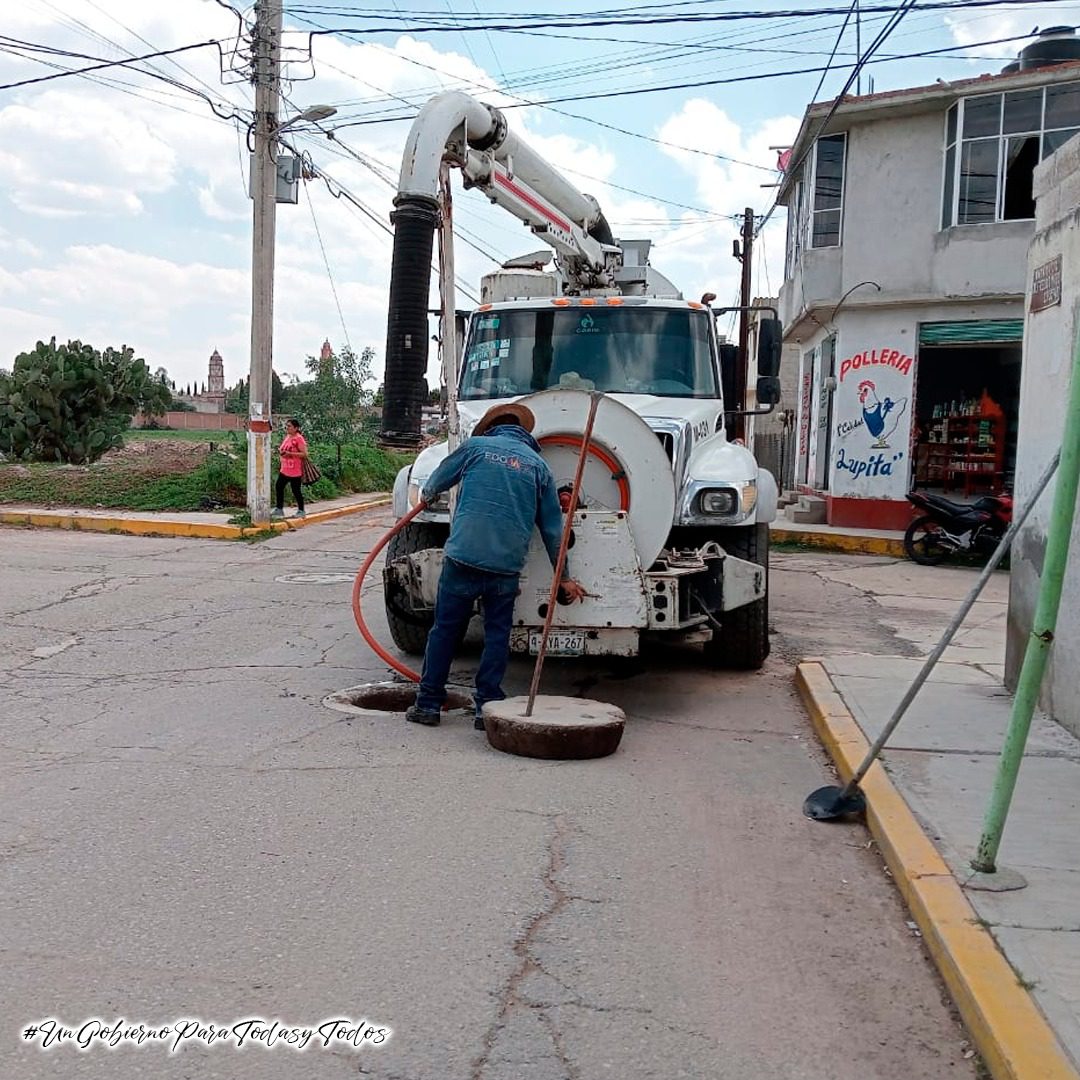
{"x": 623, "y": 350}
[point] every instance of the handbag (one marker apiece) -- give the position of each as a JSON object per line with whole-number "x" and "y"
{"x": 310, "y": 473}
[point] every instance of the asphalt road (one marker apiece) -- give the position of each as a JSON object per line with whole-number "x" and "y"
{"x": 187, "y": 831}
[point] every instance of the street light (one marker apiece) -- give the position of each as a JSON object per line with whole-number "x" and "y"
{"x": 315, "y": 113}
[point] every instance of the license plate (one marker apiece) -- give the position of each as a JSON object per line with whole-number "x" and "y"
{"x": 560, "y": 643}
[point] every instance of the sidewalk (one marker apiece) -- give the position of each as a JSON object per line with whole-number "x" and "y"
{"x": 210, "y": 526}
{"x": 837, "y": 538}
{"x": 942, "y": 762}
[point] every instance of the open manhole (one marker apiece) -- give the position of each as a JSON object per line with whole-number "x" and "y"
{"x": 379, "y": 698}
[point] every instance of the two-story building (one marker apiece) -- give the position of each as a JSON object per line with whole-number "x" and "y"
{"x": 909, "y": 218}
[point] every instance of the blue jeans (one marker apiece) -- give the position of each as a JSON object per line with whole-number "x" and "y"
{"x": 460, "y": 587}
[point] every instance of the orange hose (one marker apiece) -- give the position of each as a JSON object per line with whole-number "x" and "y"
{"x": 358, "y": 613}
{"x": 605, "y": 459}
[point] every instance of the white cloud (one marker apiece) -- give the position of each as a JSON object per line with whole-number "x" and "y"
{"x": 992, "y": 24}
{"x": 724, "y": 187}
{"x": 124, "y": 216}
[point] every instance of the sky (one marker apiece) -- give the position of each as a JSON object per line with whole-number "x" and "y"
{"x": 124, "y": 215}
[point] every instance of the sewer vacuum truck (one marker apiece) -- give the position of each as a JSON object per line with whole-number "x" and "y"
{"x": 671, "y": 535}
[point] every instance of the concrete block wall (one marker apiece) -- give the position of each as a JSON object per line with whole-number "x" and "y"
{"x": 1049, "y": 340}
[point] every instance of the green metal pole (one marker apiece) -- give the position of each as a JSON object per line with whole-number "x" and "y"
{"x": 1042, "y": 629}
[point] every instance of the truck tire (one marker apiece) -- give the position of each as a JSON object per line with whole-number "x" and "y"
{"x": 408, "y": 628}
{"x": 742, "y": 642}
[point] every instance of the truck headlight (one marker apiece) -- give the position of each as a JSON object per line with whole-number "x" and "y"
{"x": 722, "y": 502}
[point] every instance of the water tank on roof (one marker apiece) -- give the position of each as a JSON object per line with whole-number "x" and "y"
{"x": 1054, "y": 45}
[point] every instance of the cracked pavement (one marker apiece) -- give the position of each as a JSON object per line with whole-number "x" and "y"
{"x": 186, "y": 830}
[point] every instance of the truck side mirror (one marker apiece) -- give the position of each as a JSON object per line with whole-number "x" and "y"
{"x": 729, "y": 357}
{"x": 768, "y": 390}
{"x": 769, "y": 343}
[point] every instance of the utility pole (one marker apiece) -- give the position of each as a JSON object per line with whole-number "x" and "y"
{"x": 267, "y": 58}
{"x": 742, "y": 366}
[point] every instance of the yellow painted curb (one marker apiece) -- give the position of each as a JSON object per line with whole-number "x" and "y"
{"x": 850, "y": 542}
{"x": 150, "y": 526}
{"x": 1006, "y": 1025}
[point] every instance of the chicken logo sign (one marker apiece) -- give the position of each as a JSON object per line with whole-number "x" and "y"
{"x": 876, "y": 414}
{"x": 872, "y": 425}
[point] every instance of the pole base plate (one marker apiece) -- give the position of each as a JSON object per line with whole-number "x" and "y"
{"x": 830, "y": 803}
{"x": 1002, "y": 880}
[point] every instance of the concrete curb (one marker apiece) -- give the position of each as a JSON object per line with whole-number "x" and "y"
{"x": 849, "y": 542}
{"x": 1013, "y": 1036}
{"x": 151, "y": 526}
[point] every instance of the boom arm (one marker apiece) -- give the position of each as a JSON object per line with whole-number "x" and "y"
{"x": 458, "y": 130}
{"x": 476, "y": 138}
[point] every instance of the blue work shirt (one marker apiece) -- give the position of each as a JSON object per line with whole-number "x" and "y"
{"x": 506, "y": 490}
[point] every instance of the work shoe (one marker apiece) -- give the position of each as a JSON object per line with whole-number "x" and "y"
{"x": 300, "y": 514}
{"x": 478, "y": 724}
{"x": 415, "y": 715}
{"x": 277, "y": 512}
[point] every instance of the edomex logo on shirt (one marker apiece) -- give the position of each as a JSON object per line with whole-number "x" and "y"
{"x": 511, "y": 461}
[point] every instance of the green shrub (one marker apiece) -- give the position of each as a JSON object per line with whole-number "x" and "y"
{"x": 71, "y": 403}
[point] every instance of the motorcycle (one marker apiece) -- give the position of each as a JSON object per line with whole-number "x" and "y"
{"x": 950, "y": 528}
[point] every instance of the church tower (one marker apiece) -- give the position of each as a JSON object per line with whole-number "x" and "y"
{"x": 215, "y": 386}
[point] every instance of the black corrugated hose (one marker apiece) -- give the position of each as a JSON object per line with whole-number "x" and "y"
{"x": 407, "y": 334}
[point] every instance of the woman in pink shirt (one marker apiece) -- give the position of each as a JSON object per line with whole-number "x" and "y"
{"x": 293, "y": 452}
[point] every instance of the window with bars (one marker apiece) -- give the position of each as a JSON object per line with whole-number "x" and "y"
{"x": 993, "y": 143}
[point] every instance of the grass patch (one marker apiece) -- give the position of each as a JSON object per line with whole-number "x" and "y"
{"x": 163, "y": 474}
{"x": 153, "y": 434}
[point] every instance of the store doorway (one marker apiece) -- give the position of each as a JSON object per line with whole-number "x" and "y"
{"x": 967, "y": 404}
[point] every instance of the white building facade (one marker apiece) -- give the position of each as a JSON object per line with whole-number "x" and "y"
{"x": 1050, "y": 337}
{"x": 909, "y": 218}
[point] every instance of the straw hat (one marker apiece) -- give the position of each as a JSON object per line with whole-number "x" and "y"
{"x": 520, "y": 414}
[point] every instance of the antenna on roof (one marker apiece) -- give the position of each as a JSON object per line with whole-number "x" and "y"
{"x": 858, "y": 48}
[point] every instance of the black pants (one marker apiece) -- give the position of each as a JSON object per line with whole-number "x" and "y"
{"x": 297, "y": 490}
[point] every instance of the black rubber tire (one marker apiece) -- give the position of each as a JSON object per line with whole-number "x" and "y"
{"x": 917, "y": 545}
{"x": 410, "y": 630}
{"x": 742, "y": 642}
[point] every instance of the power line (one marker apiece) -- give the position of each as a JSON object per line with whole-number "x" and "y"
{"x": 326, "y": 263}
{"x": 133, "y": 33}
{"x": 855, "y": 71}
{"x": 393, "y": 117}
{"x": 524, "y": 102}
{"x": 343, "y": 192}
{"x": 466, "y": 23}
{"x": 117, "y": 63}
{"x": 377, "y": 169}
{"x": 836, "y": 45}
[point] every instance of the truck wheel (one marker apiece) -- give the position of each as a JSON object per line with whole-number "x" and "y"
{"x": 742, "y": 642}
{"x": 409, "y": 628}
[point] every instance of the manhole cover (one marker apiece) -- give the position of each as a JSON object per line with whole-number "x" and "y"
{"x": 314, "y": 579}
{"x": 388, "y": 697}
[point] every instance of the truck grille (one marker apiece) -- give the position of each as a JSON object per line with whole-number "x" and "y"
{"x": 667, "y": 441}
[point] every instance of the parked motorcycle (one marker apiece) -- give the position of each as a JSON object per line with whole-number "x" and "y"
{"x": 950, "y": 528}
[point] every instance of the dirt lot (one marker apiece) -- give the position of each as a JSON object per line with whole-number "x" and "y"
{"x": 131, "y": 476}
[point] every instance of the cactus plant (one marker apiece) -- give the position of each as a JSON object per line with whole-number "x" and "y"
{"x": 71, "y": 403}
